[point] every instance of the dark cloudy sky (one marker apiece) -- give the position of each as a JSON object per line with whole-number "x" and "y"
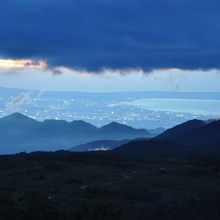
{"x": 180, "y": 38}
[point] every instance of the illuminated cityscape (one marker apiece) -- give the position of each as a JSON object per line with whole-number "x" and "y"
{"x": 97, "y": 109}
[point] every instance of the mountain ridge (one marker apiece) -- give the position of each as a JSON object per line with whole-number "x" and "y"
{"x": 193, "y": 132}
{"x": 21, "y": 133}
{"x": 194, "y": 137}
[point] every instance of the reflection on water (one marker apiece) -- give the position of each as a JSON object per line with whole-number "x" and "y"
{"x": 194, "y": 106}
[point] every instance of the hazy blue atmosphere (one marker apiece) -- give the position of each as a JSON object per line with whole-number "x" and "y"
{"x": 93, "y": 51}
{"x": 110, "y": 61}
{"x": 148, "y": 110}
{"x": 109, "y": 109}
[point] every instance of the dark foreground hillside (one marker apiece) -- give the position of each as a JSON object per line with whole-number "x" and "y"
{"x": 101, "y": 186}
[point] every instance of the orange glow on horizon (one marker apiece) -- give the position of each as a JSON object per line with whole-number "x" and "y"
{"x": 9, "y": 63}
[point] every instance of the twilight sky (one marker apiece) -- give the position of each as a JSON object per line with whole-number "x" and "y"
{"x": 109, "y": 45}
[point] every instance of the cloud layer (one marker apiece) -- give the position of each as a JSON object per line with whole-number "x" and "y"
{"x": 113, "y": 34}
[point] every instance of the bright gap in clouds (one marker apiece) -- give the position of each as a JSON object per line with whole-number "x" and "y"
{"x": 38, "y": 77}
{"x": 9, "y": 63}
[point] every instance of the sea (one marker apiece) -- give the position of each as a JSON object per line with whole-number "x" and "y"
{"x": 193, "y": 106}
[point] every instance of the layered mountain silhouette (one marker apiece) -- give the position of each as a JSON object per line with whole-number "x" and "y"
{"x": 21, "y": 133}
{"x": 192, "y": 138}
{"x": 17, "y": 124}
{"x": 193, "y": 132}
{"x": 157, "y": 131}
{"x": 115, "y": 129}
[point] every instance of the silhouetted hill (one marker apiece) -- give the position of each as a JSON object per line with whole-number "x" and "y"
{"x": 182, "y": 128}
{"x": 115, "y": 128}
{"x": 16, "y": 116}
{"x": 98, "y": 145}
{"x": 170, "y": 149}
{"x": 53, "y": 127}
{"x": 194, "y": 132}
{"x": 82, "y": 126}
{"x": 21, "y": 133}
{"x": 17, "y": 123}
{"x": 194, "y": 138}
{"x": 157, "y": 131}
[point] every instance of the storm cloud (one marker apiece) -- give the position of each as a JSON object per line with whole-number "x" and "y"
{"x": 113, "y": 34}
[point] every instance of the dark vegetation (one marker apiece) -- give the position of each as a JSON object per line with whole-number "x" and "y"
{"x": 168, "y": 148}
{"x": 108, "y": 185}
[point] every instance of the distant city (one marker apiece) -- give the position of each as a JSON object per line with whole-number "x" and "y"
{"x": 136, "y": 109}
